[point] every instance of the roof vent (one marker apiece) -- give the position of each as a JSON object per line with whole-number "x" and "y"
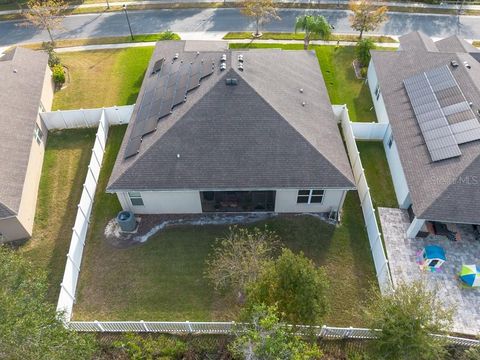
{"x": 454, "y": 63}
{"x": 175, "y": 57}
{"x": 304, "y": 103}
{"x": 224, "y": 58}
{"x": 467, "y": 65}
{"x": 178, "y": 156}
{"x": 14, "y": 71}
{"x": 301, "y": 90}
{"x": 240, "y": 58}
{"x": 223, "y": 66}
{"x": 198, "y": 53}
{"x": 232, "y": 81}
{"x": 470, "y": 103}
{"x": 240, "y": 66}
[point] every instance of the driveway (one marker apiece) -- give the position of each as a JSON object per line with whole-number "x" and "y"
{"x": 401, "y": 254}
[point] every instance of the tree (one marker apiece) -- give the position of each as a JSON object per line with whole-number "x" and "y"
{"x": 406, "y": 319}
{"x": 268, "y": 339}
{"x": 30, "y": 328}
{"x": 238, "y": 259}
{"x": 261, "y": 10}
{"x": 295, "y": 285}
{"x": 366, "y": 16}
{"x": 362, "y": 51}
{"x": 313, "y": 25}
{"x": 45, "y": 14}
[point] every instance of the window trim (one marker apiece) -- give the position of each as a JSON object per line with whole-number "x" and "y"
{"x": 310, "y": 196}
{"x": 38, "y": 134}
{"x": 377, "y": 91}
{"x": 135, "y": 196}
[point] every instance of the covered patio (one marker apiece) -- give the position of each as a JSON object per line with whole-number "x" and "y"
{"x": 238, "y": 201}
{"x": 402, "y": 254}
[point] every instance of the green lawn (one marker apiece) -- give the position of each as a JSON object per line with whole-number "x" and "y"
{"x": 162, "y": 279}
{"x": 377, "y": 172}
{"x": 300, "y": 36}
{"x": 342, "y": 85}
{"x": 102, "y": 78}
{"x": 64, "y": 169}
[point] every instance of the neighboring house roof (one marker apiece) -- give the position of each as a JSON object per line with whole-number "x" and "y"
{"x": 256, "y": 134}
{"x": 22, "y": 74}
{"x": 446, "y": 190}
{"x": 417, "y": 40}
{"x": 455, "y": 44}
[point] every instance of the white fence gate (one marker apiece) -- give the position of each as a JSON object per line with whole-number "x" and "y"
{"x": 69, "y": 119}
{"x": 79, "y": 231}
{"x": 374, "y": 235}
{"x": 369, "y": 131}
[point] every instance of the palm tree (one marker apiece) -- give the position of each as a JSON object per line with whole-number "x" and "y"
{"x": 313, "y": 25}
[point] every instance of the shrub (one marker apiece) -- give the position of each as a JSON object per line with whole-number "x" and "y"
{"x": 53, "y": 58}
{"x": 295, "y": 285}
{"x": 58, "y": 75}
{"x": 362, "y": 50}
{"x": 168, "y": 35}
{"x": 149, "y": 347}
{"x": 407, "y": 317}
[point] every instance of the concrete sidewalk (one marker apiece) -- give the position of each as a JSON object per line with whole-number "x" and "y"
{"x": 319, "y": 2}
{"x": 217, "y": 37}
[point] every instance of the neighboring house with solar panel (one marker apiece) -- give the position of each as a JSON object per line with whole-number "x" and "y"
{"x": 429, "y": 94}
{"x": 26, "y": 88}
{"x": 218, "y": 130}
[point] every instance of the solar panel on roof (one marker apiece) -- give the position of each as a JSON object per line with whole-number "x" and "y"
{"x": 207, "y": 68}
{"x": 436, "y": 99}
{"x": 150, "y": 125}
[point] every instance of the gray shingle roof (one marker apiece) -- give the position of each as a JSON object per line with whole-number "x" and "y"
{"x": 447, "y": 190}
{"x": 417, "y": 40}
{"x": 20, "y": 94}
{"x": 256, "y": 134}
{"x": 455, "y": 44}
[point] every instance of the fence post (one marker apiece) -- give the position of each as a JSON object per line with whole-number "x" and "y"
{"x": 99, "y": 326}
{"x": 323, "y": 331}
{"x": 96, "y": 158}
{"x": 348, "y": 333}
{"x": 189, "y": 326}
{"x": 63, "y": 118}
{"x": 83, "y": 213}
{"x": 144, "y": 325}
{"x": 85, "y": 118}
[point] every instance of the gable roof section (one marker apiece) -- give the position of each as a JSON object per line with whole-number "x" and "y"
{"x": 22, "y": 74}
{"x": 255, "y": 134}
{"x": 417, "y": 41}
{"x": 455, "y": 44}
{"x": 446, "y": 190}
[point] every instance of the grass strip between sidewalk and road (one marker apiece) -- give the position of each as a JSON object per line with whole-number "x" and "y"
{"x": 299, "y": 36}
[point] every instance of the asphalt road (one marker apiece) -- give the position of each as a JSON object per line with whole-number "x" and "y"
{"x": 200, "y": 20}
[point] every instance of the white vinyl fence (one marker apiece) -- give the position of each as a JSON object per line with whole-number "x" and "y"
{"x": 374, "y": 235}
{"x": 79, "y": 231}
{"x": 226, "y": 328}
{"x": 369, "y": 131}
{"x": 69, "y": 119}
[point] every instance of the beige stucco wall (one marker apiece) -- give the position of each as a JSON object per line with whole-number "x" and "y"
{"x": 164, "y": 202}
{"x": 286, "y": 202}
{"x": 189, "y": 202}
{"x": 22, "y": 226}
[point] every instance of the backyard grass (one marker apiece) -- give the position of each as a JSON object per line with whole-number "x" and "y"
{"x": 102, "y": 78}
{"x": 342, "y": 85}
{"x": 64, "y": 169}
{"x": 378, "y": 174}
{"x": 163, "y": 278}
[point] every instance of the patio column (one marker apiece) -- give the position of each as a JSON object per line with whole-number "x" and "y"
{"x": 415, "y": 227}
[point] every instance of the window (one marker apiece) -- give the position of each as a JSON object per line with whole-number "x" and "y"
{"x": 135, "y": 198}
{"x": 390, "y": 141}
{"x": 38, "y": 134}
{"x": 377, "y": 91}
{"x": 310, "y": 196}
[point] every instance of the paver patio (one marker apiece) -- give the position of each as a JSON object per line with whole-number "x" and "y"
{"x": 402, "y": 253}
